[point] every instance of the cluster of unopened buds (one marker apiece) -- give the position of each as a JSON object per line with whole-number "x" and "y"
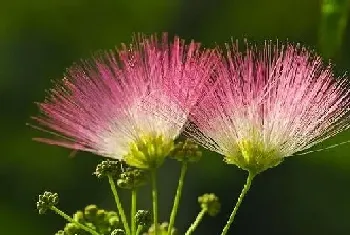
{"x": 93, "y": 220}
{"x": 132, "y": 106}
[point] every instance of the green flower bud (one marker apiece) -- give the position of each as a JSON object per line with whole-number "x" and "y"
{"x": 112, "y": 218}
{"x": 143, "y": 218}
{"x": 79, "y": 217}
{"x": 104, "y": 220}
{"x": 108, "y": 167}
{"x": 149, "y": 152}
{"x": 100, "y": 216}
{"x": 186, "y": 151}
{"x": 71, "y": 229}
{"x": 60, "y": 232}
{"x": 90, "y": 212}
{"x": 132, "y": 178}
{"x": 97, "y": 219}
{"x": 46, "y": 201}
{"x": 118, "y": 232}
{"x": 162, "y": 229}
{"x": 210, "y": 202}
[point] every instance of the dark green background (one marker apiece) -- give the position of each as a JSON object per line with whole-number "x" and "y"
{"x": 39, "y": 39}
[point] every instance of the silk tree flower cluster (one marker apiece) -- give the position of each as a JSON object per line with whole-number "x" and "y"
{"x": 97, "y": 107}
{"x": 255, "y": 107}
{"x": 269, "y": 105}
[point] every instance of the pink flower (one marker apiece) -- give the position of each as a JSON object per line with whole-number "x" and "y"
{"x": 98, "y": 106}
{"x": 269, "y": 105}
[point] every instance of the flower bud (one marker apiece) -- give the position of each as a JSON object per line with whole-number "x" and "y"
{"x": 71, "y": 229}
{"x": 79, "y": 217}
{"x": 210, "y": 202}
{"x": 46, "y": 201}
{"x": 132, "y": 178}
{"x": 90, "y": 212}
{"x": 143, "y": 218}
{"x": 162, "y": 229}
{"x": 186, "y": 151}
{"x": 108, "y": 167}
{"x": 118, "y": 232}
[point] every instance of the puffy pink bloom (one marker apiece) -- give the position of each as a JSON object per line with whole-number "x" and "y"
{"x": 270, "y": 104}
{"x": 98, "y": 106}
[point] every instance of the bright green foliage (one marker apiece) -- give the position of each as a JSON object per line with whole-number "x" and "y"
{"x": 333, "y": 23}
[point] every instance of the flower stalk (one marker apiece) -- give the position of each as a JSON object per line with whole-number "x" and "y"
{"x": 119, "y": 205}
{"x": 195, "y": 224}
{"x": 154, "y": 199}
{"x": 178, "y": 196}
{"x": 239, "y": 202}
{"x": 133, "y": 211}
{"x": 139, "y": 229}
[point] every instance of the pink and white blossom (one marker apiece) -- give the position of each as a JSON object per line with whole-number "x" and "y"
{"x": 98, "y": 105}
{"x": 270, "y": 104}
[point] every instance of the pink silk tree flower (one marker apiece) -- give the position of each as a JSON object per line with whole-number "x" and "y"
{"x": 269, "y": 105}
{"x": 98, "y": 105}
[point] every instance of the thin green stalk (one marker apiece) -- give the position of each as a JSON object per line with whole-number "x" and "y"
{"x": 195, "y": 224}
{"x": 133, "y": 211}
{"x": 139, "y": 229}
{"x": 177, "y": 197}
{"x": 119, "y": 205}
{"x": 154, "y": 200}
{"x": 68, "y": 218}
{"x": 239, "y": 201}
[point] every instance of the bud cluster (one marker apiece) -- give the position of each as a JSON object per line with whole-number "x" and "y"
{"x": 186, "y": 151}
{"x": 108, "y": 167}
{"x": 143, "y": 218}
{"x": 118, "y": 232}
{"x": 127, "y": 177}
{"x": 46, "y": 201}
{"x": 162, "y": 229}
{"x": 211, "y": 203}
{"x": 132, "y": 178}
{"x": 97, "y": 219}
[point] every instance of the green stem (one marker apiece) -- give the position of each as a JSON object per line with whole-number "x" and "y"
{"x": 239, "y": 201}
{"x": 139, "y": 229}
{"x": 133, "y": 211}
{"x": 195, "y": 224}
{"x": 154, "y": 200}
{"x": 68, "y": 218}
{"x": 119, "y": 205}
{"x": 177, "y": 197}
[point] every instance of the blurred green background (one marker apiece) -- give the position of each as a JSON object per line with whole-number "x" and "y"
{"x": 39, "y": 39}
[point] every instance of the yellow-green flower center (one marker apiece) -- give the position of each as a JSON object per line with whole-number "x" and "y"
{"x": 149, "y": 151}
{"x": 253, "y": 155}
